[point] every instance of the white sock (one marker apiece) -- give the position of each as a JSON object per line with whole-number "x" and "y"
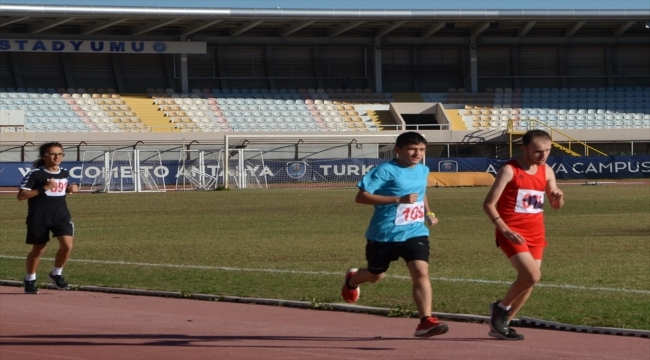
{"x": 57, "y": 271}
{"x": 30, "y": 277}
{"x": 506, "y": 308}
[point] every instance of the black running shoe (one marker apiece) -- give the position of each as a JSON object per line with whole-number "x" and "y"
{"x": 514, "y": 333}
{"x": 30, "y": 287}
{"x": 59, "y": 281}
{"x": 499, "y": 319}
{"x": 511, "y": 335}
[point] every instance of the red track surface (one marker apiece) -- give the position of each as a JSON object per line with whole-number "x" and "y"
{"x": 88, "y": 325}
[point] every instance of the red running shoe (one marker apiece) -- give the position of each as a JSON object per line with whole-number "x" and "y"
{"x": 348, "y": 294}
{"x": 431, "y": 327}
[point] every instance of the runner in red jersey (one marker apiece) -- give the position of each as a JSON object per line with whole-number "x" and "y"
{"x": 515, "y": 205}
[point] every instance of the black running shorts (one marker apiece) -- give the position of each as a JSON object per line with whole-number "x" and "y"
{"x": 380, "y": 254}
{"x": 40, "y": 234}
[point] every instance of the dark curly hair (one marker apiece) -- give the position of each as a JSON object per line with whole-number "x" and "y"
{"x": 408, "y": 138}
{"x": 42, "y": 150}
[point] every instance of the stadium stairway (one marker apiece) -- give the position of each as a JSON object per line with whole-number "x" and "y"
{"x": 455, "y": 120}
{"x": 565, "y": 149}
{"x": 517, "y": 134}
{"x": 141, "y": 104}
{"x": 381, "y": 118}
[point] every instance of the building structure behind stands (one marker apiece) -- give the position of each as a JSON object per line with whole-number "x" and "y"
{"x": 479, "y": 77}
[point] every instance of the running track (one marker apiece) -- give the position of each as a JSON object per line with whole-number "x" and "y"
{"x": 91, "y": 325}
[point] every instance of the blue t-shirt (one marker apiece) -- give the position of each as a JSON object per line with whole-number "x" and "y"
{"x": 396, "y": 222}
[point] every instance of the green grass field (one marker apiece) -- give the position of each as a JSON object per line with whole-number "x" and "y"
{"x": 596, "y": 270}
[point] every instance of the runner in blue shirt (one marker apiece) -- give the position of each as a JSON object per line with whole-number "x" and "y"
{"x": 397, "y": 189}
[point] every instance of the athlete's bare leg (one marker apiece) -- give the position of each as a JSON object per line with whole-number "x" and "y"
{"x": 65, "y": 248}
{"x": 364, "y": 276}
{"x": 422, "y": 293}
{"x": 528, "y": 274}
{"x": 34, "y": 258}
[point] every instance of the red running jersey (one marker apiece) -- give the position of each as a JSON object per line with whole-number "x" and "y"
{"x": 521, "y": 204}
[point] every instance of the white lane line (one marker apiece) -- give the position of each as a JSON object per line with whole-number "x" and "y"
{"x": 302, "y": 272}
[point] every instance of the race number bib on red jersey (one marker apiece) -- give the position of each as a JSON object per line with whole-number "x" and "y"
{"x": 59, "y": 190}
{"x": 529, "y": 201}
{"x": 409, "y": 213}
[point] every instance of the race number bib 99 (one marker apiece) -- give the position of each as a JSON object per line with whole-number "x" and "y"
{"x": 409, "y": 213}
{"x": 59, "y": 190}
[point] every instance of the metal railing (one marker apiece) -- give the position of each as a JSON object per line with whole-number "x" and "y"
{"x": 536, "y": 124}
{"x": 415, "y": 127}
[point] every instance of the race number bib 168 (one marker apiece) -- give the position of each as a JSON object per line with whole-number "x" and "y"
{"x": 529, "y": 201}
{"x": 409, "y": 213}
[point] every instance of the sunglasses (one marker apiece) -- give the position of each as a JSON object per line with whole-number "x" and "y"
{"x": 55, "y": 154}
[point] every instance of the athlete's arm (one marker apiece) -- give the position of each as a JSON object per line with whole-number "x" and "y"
{"x": 364, "y": 197}
{"x": 24, "y": 194}
{"x": 431, "y": 219}
{"x": 504, "y": 176}
{"x": 554, "y": 194}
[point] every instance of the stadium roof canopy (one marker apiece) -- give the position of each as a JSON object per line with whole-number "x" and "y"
{"x": 323, "y": 26}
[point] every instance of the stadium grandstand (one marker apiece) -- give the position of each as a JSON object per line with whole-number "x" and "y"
{"x": 470, "y": 80}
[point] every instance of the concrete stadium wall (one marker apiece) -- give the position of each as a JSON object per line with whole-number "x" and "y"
{"x": 439, "y": 136}
{"x": 11, "y": 144}
{"x": 436, "y": 109}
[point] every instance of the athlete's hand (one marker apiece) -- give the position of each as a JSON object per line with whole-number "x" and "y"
{"x": 73, "y": 188}
{"x": 51, "y": 184}
{"x": 556, "y": 195}
{"x": 514, "y": 237}
{"x": 408, "y": 199}
{"x": 431, "y": 220}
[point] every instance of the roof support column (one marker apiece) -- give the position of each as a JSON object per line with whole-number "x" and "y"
{"x": 170, "y": 70}
{"x": 473, "y": 64}
{"x": 270, "y": 68}
{"x": 561, "y": 56}
{"x": 18, "y": 77}
{"x": 117, "y": 72}
{"x": 67, "y": 71}
{"x": 317, "y": 70}
{"x": 378, "y": 71}
{"x": 515, "y": 66}
{"x": 608, "y": 66}
{"x": 184, "y": 76}
{"x": 414, "y": 68}
{"x": 221, "y": 65}
{"x": 464, "y": 68}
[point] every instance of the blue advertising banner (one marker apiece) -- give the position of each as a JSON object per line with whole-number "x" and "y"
{"x": 285, "y": 171}
{"x": 565, "y": 167}
{"x": 349, "y": 170}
